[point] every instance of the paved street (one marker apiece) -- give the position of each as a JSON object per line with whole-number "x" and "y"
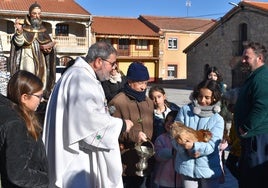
{"x": 178, "y": 96}
{"x": 181, "y": 97}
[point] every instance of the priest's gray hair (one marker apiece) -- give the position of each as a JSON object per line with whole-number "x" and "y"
{"x": 100, "y": 50}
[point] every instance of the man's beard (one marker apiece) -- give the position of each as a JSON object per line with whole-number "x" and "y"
{"x": 245, "y": 67}
{"x": 35, "y": 23}
{"x": 102, "y": 74}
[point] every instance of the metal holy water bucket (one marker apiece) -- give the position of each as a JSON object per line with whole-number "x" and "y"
{"x": 144, "y": 152}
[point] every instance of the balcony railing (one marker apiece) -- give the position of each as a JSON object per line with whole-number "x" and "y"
{"x": 137, "y": 53}
{"x": 71, "y": 41}
{"x": 79, "y": 45}
{"x": 6, "y": 38}
{"x": 69, "y": 44}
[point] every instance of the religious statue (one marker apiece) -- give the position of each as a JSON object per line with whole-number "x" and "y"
{"x": 33, "y": 50}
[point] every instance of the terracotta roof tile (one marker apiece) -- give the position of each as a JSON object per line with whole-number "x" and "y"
{"x": 260, "y": 5}
{"x": 121, "y": 26}
{"x": 54, "y": 6}
{"x": 178, "y": 23}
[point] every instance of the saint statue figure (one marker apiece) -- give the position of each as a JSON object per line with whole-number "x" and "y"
{"x": 33, "y": 50}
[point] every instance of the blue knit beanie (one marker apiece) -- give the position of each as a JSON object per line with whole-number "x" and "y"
{"x": 137, "y": 72}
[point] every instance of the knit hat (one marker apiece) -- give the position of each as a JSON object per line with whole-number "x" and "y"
{"x": 137, "y": 72}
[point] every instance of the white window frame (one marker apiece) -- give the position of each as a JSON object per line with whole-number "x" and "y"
{"x": 172, "y": 71}
{"x": 173, "y": 43}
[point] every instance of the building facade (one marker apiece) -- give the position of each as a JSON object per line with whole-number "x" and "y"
{"x": 175, "y": 35}
{"x": 133, "y": 40}
{"x": 222, "y": 44}
{"x": 158, "y": 42}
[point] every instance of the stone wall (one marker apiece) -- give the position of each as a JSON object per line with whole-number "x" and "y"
{"x": 218, "y": 48}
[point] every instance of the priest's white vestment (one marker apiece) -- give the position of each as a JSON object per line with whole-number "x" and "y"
{"x": 80, "y": 136}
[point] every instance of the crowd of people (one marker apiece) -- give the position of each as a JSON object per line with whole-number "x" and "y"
{"x": 95, "y": 117}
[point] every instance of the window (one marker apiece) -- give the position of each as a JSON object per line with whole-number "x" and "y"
{"x": 10, "y": 27}
{"x": 142, "y": 44}
{"x": 242, "y": 37}
{"x": 172, "y": 71}
{"x": 62, "y": 30}
{"x": 172, "y": 43}
{"x": 123, "y": 44}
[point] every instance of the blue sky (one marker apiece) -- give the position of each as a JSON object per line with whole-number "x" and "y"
{"x": 177, "y": 8}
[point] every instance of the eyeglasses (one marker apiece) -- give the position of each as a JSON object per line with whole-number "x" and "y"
{"x": 113, "y": 64}
{"x": 38, "y": 96}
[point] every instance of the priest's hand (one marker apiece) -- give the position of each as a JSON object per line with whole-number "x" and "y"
{"x": 142, "y": 137}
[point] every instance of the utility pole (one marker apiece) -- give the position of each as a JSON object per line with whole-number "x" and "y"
{"x": 188, "y": 4}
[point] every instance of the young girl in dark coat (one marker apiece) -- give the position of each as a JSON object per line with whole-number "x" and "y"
{"x": 161, "y": 108}
{"x": 23, "y": 161}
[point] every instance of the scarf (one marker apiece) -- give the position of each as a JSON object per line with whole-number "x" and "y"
{"x": 116, "y": 78}
{"x": 206, "y": 111}
{"x": 137, "y": 95}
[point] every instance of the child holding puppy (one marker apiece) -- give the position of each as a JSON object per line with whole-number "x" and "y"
{"x": 199, "y": 162}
